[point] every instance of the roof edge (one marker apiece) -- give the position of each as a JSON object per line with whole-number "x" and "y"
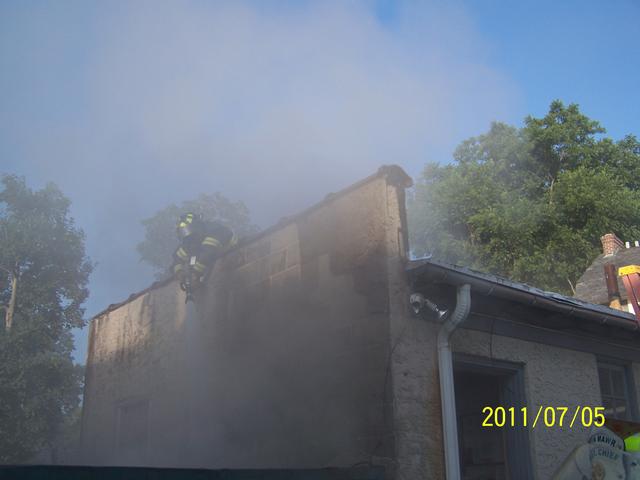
{"x": 489, "y": 284}
{"x": 114, "y": 306}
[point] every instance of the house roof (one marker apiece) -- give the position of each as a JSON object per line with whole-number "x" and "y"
{"x": 494, "y": 285}
{"x": 394, "y": 174}
{"x": 591, "y": 286}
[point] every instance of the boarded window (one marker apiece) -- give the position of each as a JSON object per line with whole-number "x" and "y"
{"x": 132, "y": 435}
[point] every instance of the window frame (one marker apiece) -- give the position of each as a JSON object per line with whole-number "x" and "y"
{"x": 629, "y": 383}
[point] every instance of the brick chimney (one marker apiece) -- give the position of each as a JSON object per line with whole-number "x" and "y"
{"x": 611, "y": 244}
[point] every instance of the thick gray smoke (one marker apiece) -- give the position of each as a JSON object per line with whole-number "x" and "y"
{"x": 135, "y": 105}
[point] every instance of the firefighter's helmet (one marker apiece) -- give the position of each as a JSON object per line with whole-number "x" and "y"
{"x": 188, "y": 224}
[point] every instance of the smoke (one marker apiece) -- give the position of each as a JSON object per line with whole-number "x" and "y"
{"x": 140, "y": 104}
{"x": 274, "y": 105}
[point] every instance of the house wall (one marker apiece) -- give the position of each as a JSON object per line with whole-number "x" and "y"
{"x": 554, "y": 377}
{"x": 416, "y": 398}
{"x": 135, "y": 352}
{"x": 282, "y": 362}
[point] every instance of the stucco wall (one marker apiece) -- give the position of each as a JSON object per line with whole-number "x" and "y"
{"x": 136, "y": 351}
{"x": 283, "y": 361}
{"x": 297, "y": 327}
{"x": 416, "y": 399}
{"x": 554, "y": 377}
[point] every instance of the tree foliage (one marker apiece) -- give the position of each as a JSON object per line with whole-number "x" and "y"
{"x": 43, "y": 266}
{"x": 160, "y": 230}
{"x": 530, "y": 203}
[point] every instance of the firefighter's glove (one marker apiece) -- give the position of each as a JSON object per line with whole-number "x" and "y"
{"x": 184, "y": 276}
{"x": 195, "y": 280}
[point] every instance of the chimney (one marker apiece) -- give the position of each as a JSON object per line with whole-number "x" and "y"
{"x": 611, "y": 244}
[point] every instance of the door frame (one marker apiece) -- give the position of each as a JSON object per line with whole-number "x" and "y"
{"x": 512, "y": 394}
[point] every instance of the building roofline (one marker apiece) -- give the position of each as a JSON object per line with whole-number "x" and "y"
{"x": 394, "y": 174}
{"x": 494, "y": 285}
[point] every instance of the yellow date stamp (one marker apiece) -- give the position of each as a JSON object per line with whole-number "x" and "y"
{"x": 549, "y": 417}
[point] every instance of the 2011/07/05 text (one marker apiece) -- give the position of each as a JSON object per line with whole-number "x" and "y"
{"x": 544, "y": 416}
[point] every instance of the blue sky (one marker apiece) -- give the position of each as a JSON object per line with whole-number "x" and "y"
{"x": 578, "y": 51}
{"x": 129, "y": 106}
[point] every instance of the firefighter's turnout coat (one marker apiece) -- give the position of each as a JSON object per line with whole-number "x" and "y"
{"x": 199, "y": 251}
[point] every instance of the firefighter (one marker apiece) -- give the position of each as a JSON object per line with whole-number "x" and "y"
{"x": 201, "y": 243}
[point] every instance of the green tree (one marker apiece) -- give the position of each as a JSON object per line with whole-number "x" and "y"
{"x": 43, "y": 276}
{"x": 530, "y": 203}
{"x": 160, "y": 230}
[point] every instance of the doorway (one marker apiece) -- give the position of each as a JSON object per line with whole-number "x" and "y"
{"x": 490, "y": 452}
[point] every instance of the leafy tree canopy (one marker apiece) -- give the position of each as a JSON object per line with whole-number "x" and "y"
{"x": 160, "y": 230}
{"x": 43, "y": 277}
{"x": 530, "y": 203}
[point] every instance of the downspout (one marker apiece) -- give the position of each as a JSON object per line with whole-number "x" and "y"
{"x": 447, "y": 393}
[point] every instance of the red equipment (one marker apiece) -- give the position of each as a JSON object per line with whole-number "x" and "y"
{"x": 631, "y": 279}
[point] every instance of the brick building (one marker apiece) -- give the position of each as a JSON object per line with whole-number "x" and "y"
{"x": 304, "y": 351}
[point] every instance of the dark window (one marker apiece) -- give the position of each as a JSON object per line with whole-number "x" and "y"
{"x": 131, "y": 444}
{"x": 482, "y": 452}
{"x": 614, "y": 387}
